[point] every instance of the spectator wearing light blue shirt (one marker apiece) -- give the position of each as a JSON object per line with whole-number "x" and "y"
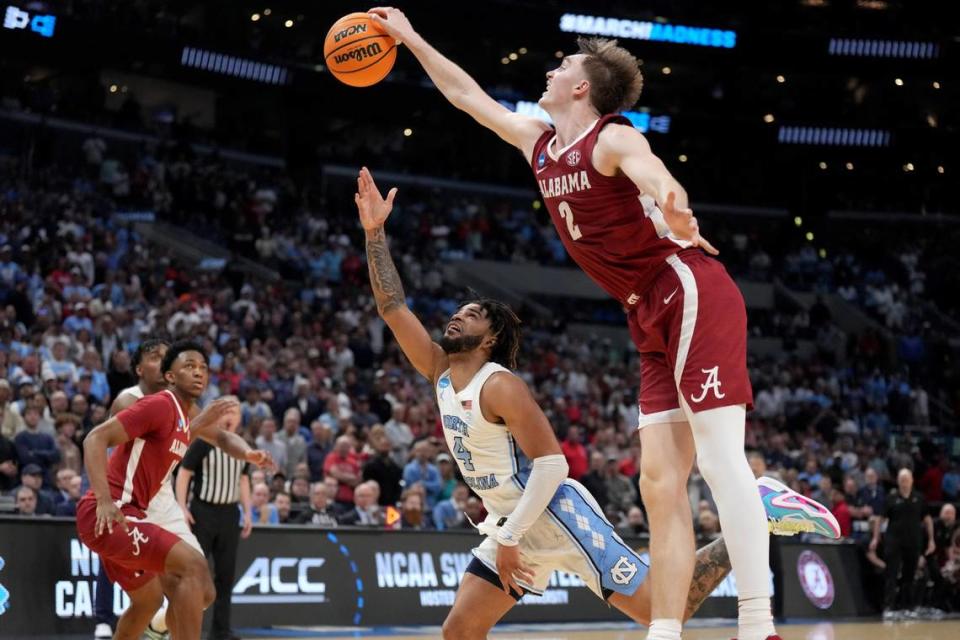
{"x": 421, "y": 470}
{"x": 449, "y": 514}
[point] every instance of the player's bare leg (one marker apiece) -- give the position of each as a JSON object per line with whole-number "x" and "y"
{"x": 170, "y": 613}
{"x": 144, "y": 602}
{"x": 479, "y": 605}
{"x": 711, "y": 567}
{"x": 191, "y": 590}
{"x": 668, "y": 451}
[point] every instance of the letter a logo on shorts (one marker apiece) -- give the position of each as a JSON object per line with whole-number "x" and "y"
{"x": 623, "y": 571}
{"x": 713, "y": 382}
{"x": 136, "y": 538}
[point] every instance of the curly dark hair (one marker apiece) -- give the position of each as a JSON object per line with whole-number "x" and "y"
{"x": 147, "y": 346}
{"x": 178, "y": 347}
{"x": 505, "y": 326}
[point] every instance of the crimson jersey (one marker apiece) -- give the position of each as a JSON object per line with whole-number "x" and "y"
{"x": 159, "y": 436}
{"x": 616, "y": 234}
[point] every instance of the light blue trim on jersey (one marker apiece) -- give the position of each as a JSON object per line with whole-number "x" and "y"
{"x": 593, "y": 534}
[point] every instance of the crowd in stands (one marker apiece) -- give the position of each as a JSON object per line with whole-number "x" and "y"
{"x": 323, "y": 387}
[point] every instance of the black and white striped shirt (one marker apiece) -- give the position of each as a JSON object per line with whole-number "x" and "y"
{"x": 217, "y": 475}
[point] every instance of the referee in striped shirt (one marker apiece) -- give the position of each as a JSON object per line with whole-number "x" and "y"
{"x": 219, "y": 483}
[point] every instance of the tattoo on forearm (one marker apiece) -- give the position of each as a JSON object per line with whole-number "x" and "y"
{"x": 387, "y": 288}
{"x": 712, "y": 566}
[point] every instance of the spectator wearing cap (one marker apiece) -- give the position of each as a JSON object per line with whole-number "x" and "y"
{"x": 32, "y": 477}
{"x": 400, "y": 434}
{"x": 268, "y": 441}
{"x": 253, "y": 408}
{"x": 448, "y": 476}
{"x": 448, "y": 514}
{"x": 290, "y": 436}
{"x": 342, "y": 465}
{"x": 34, "y": 448}
{"x": 9, "y": 464}
{"x": 382, "y": 468}
{"x": 11, "y": 423}
{"x": 421, "y": 470}
{"x": 363, "y": 417}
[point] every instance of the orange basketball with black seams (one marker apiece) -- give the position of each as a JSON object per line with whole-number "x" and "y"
{"x": 358, "y": 52}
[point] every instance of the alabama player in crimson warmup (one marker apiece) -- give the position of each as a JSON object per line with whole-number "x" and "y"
{"x": 625, "y": 220}
{"x": 151, "y": 437}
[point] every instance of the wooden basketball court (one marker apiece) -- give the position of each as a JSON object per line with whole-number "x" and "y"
{"x": 943, "y": 630}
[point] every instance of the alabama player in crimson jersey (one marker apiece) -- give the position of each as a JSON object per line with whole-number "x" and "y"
{"x": 151, "y": 437}
{"x": 625, "y": 220}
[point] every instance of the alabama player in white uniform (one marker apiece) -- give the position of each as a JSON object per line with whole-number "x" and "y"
{"x": 539, "y": 520}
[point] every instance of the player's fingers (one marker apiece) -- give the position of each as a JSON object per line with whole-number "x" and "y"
{"x": 109, "y": 524}
{"x": 705, "y": 244}
{"x": 123, "y": 521}
{"x": 391, "y": 195}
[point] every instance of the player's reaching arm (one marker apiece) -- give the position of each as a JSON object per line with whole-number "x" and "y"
{"x": 623, "y": 149}
{"x": 426, "y": 355}
{"x": 211, "y": 426}
{"x": 506, "y": 398}
{"x": 459, "y": 88}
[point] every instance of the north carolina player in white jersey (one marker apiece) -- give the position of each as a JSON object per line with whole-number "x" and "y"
{"x": 539, "y": 520}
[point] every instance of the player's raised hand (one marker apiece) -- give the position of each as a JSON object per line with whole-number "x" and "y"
{"x": 107, "y": 514}
{"x": 683, "y": 224}
{"x": 393, "y": 21}
{"x": 510, "y": 568}
{"x": 374, "y": 210}
{"x": 222, "y": 413}
{"x": 261, "y": 458}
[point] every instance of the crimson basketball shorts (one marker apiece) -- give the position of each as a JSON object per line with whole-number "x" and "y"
{"x": 690, "y": 328}
{"x": 131, "y": 558}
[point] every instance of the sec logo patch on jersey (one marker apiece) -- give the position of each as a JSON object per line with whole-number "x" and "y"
{"x": 541, "y": 159}
{"x": 573, "y": 158}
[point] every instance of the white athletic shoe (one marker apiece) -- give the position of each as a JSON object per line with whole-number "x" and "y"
{"x": 103, "y": 632}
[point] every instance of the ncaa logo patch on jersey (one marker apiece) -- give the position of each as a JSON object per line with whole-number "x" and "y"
{"x": 541, "y": 159}
{"x": 573, "y": 158}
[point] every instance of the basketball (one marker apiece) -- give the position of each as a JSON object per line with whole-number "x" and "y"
{"x": 358, "y": 52}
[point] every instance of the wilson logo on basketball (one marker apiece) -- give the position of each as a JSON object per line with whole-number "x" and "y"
{"x": 573, "y": 158}
{"x": 350, "y": 31}
{"x": 360, "y": 53}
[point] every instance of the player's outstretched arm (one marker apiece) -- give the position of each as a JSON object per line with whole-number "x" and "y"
{"x": 212, "y": 425}
{"x": 621, "y": 148}
{"x": 426, "y": 355}
{"x": 459, "y": 88}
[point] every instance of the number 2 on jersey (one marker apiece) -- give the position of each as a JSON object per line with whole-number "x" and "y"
{"x": 463, "y": 454}
{"x": 567, "y": 214}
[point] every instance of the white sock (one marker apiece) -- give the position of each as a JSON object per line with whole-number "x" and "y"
{"x": 755, "y": 620}
{"x": 159, "y": 621}
{"x": 664, "y": 629}
{"x": 719, "y": 437}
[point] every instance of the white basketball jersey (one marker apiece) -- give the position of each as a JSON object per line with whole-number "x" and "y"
{"x": 134, "y": 391}
{"x": 163, "y": 508}
{"x": 489, "y": 459}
